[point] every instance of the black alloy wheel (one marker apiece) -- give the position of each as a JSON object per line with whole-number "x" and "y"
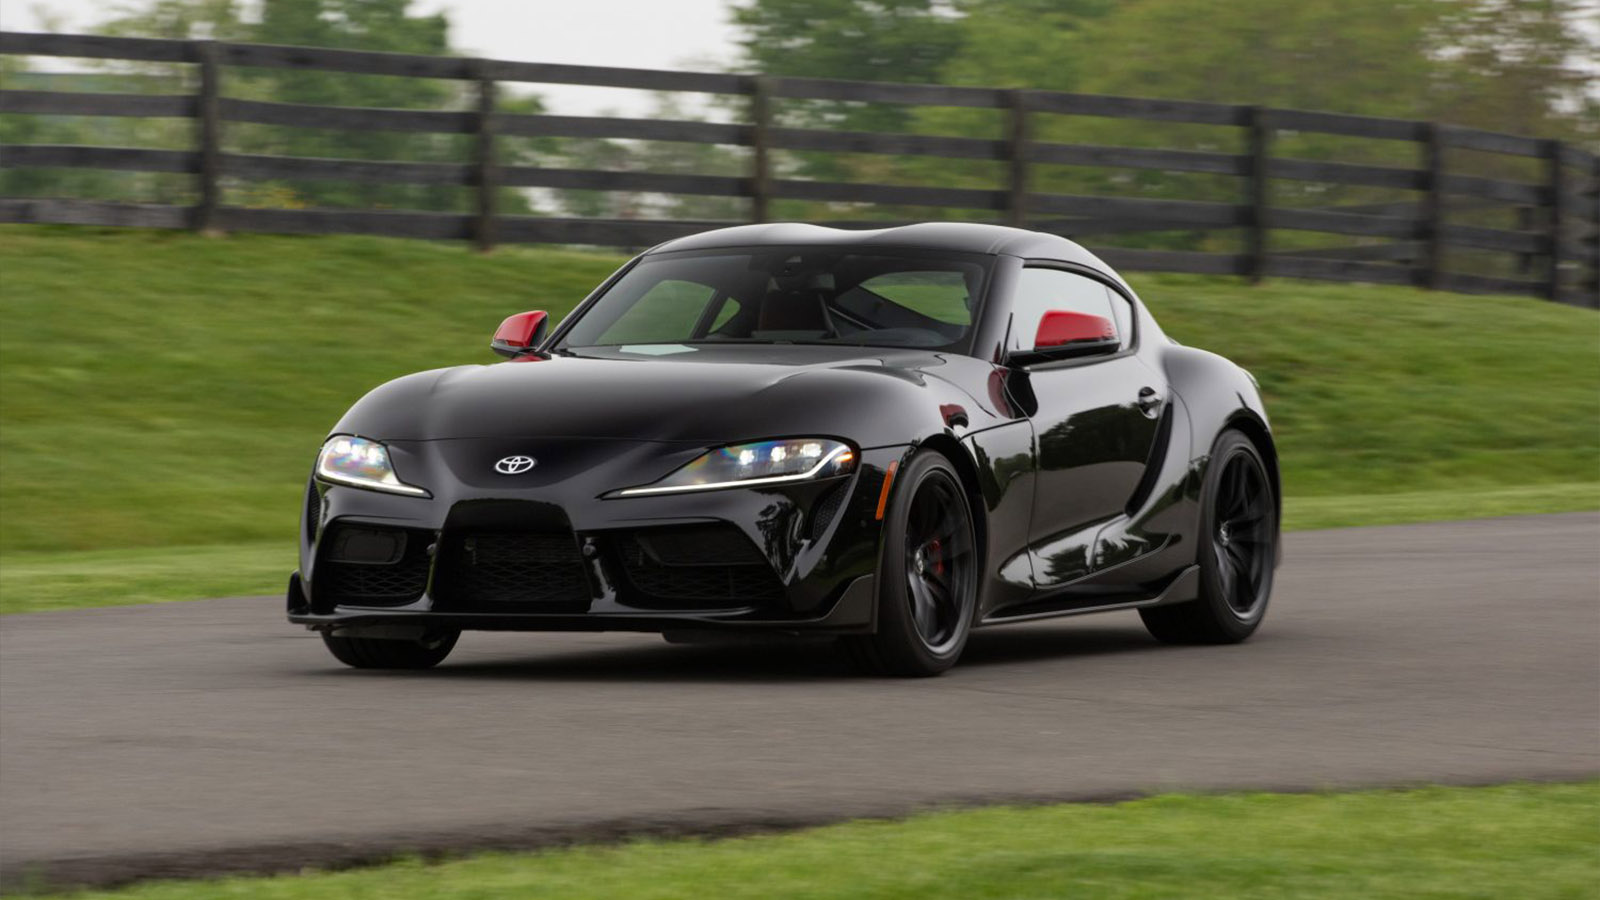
{"x": 928, "y": 578}
{"x": 1241, "y": 542}
{"x": 1237, "y": 552}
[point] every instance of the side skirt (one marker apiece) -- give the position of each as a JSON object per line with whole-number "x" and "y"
{"x": 1185, "y": 586}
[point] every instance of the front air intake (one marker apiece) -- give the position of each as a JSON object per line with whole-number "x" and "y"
{"x": 533, "y": 571}
{"x": 696, "y": 567}
{"x": 363, "y": 565}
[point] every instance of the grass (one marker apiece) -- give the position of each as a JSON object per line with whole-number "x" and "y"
{"x": 1526, "y": 841}
{"x": 34, "y": 582}
{"x": 163, "y": 390}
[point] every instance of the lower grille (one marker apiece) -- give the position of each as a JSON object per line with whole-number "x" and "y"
{"x": 397, "y": 577}
{"x": 700, "y": 567}
{"x": 497, "y": 568}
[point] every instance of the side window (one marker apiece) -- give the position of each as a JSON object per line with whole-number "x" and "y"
{"x": 667, "y": 313}
{"x": 1040, "y": 291}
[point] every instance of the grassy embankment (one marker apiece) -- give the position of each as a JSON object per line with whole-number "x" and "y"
{"x": 1527, "y": 841}
{"x": 161, "y": 395}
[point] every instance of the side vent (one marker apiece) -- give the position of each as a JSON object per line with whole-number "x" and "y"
{"x": 1152, "y": 464}
{"x": 823, "y": 511}
{"x": 313, "y": 511}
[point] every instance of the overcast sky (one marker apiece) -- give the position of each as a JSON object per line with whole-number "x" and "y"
{"x": 648, "y": 34}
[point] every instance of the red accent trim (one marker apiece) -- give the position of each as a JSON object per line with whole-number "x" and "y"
{"x": 519, "y": 330}
{"x": 1059, "y": 327}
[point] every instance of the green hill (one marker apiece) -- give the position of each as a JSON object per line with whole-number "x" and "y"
{"x": 162, "y": 391}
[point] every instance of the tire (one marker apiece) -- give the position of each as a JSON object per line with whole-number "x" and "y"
{"x": 927, "y": 578}
{"x": 1237, "y": 549}
{"x": 386, "y": 653}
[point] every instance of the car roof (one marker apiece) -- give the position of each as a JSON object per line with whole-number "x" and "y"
{"x": 964, "y": 237}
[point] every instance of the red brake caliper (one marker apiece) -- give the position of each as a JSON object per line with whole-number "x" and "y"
{"x": 936, "y": 550}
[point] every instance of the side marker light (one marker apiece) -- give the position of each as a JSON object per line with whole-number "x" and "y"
{"x": 883, "y": 495}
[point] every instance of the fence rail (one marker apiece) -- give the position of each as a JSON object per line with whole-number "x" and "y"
{"x": 1557, "y": 243}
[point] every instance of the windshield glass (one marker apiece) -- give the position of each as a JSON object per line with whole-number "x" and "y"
{"x": 795, "y": 295}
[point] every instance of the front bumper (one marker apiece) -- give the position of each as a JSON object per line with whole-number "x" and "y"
{"x": 544, "y": 553}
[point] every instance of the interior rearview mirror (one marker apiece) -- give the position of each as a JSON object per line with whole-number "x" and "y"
{"x": 520, "y": 334}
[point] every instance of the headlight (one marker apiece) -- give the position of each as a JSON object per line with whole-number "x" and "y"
{"x": 358, "y": 462}
{"x": 753, "y": 465}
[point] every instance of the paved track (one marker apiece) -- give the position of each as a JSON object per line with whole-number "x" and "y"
{"x": 211, "y": 735}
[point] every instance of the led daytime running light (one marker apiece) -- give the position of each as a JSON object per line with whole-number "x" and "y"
{"x": 720, "y": 467}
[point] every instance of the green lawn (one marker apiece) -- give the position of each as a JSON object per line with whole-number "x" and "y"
{"x": 162, "y": 390}
{"x": 1524, "y": 841}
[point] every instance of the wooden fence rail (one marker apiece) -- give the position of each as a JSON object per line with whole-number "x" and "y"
{"x": 1557, "y": 240}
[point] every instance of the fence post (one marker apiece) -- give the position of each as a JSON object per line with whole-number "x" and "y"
{"x": 1431, "y": 275}
{"x": 1260, "y": 151}
{"x": 209, "y": 112}
{"x": 1017, "y": 150}
{"x": 487, "y": 175}
{"x": 1555, "y": 184}
{"x": 1525, "y": 222}
{"x": 760, "y": 144}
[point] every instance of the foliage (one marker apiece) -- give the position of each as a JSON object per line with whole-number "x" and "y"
{"x": 1520, "y": 66}
{"x": 358, "y": 25}
{"x": 660, "y": 157}
{"x": 863, "y": 40}
{"x": 380, "y": 25}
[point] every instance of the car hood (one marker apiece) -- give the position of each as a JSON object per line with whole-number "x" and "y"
{"x": 703, "y": 395}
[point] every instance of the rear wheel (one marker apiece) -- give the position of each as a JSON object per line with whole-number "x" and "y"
{"x": 1238, "y": 549}
{"x": 385, "y": 653}
{"x": 928, "y": 578}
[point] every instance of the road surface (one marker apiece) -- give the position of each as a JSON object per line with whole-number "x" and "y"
{"x": 212, "y": 736}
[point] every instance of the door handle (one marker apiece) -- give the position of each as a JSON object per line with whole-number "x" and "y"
{"x": 1149, "y": 402}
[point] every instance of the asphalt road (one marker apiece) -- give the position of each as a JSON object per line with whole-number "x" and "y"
{"x": 211, "y": 736}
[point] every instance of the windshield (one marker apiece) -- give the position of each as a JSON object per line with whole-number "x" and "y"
{"x": 794, "y": 295}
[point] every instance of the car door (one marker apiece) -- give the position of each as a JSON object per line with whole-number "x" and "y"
{"x": 1094, "y": 420}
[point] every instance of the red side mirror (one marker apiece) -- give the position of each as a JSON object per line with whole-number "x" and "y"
{"x": 1058, "y": 328}
{"x": 521, "y": 333}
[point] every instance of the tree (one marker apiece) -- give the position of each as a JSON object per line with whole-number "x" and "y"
{"x": 382, "y": 25}
{"x": 866, "y": 40}
{"x": 1524, "y": 66}
{"x": 1024, "y": 43}
{"x": 1504, "y": 65}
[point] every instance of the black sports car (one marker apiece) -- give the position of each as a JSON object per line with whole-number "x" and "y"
{"x": 891, "y": 436}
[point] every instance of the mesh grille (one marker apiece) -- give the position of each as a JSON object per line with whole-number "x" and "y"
{"x": 511, "y": 567}
{"x": 313, "y": 510}
{"x": 822, "y": 514}
{"x": 698, "y": 568}
{"x": 367, "y": 584}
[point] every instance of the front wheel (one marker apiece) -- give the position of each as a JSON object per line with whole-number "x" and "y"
{"x": 1238, "y": 550}
{"x": 928, "y": 577}
{"x": 387, "y": 653}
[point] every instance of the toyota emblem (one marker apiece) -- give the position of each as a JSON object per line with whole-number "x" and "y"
{"x": 515, "y": 465}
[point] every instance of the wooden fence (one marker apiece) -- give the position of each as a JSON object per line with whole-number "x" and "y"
{"x": 1558, "y": 243}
